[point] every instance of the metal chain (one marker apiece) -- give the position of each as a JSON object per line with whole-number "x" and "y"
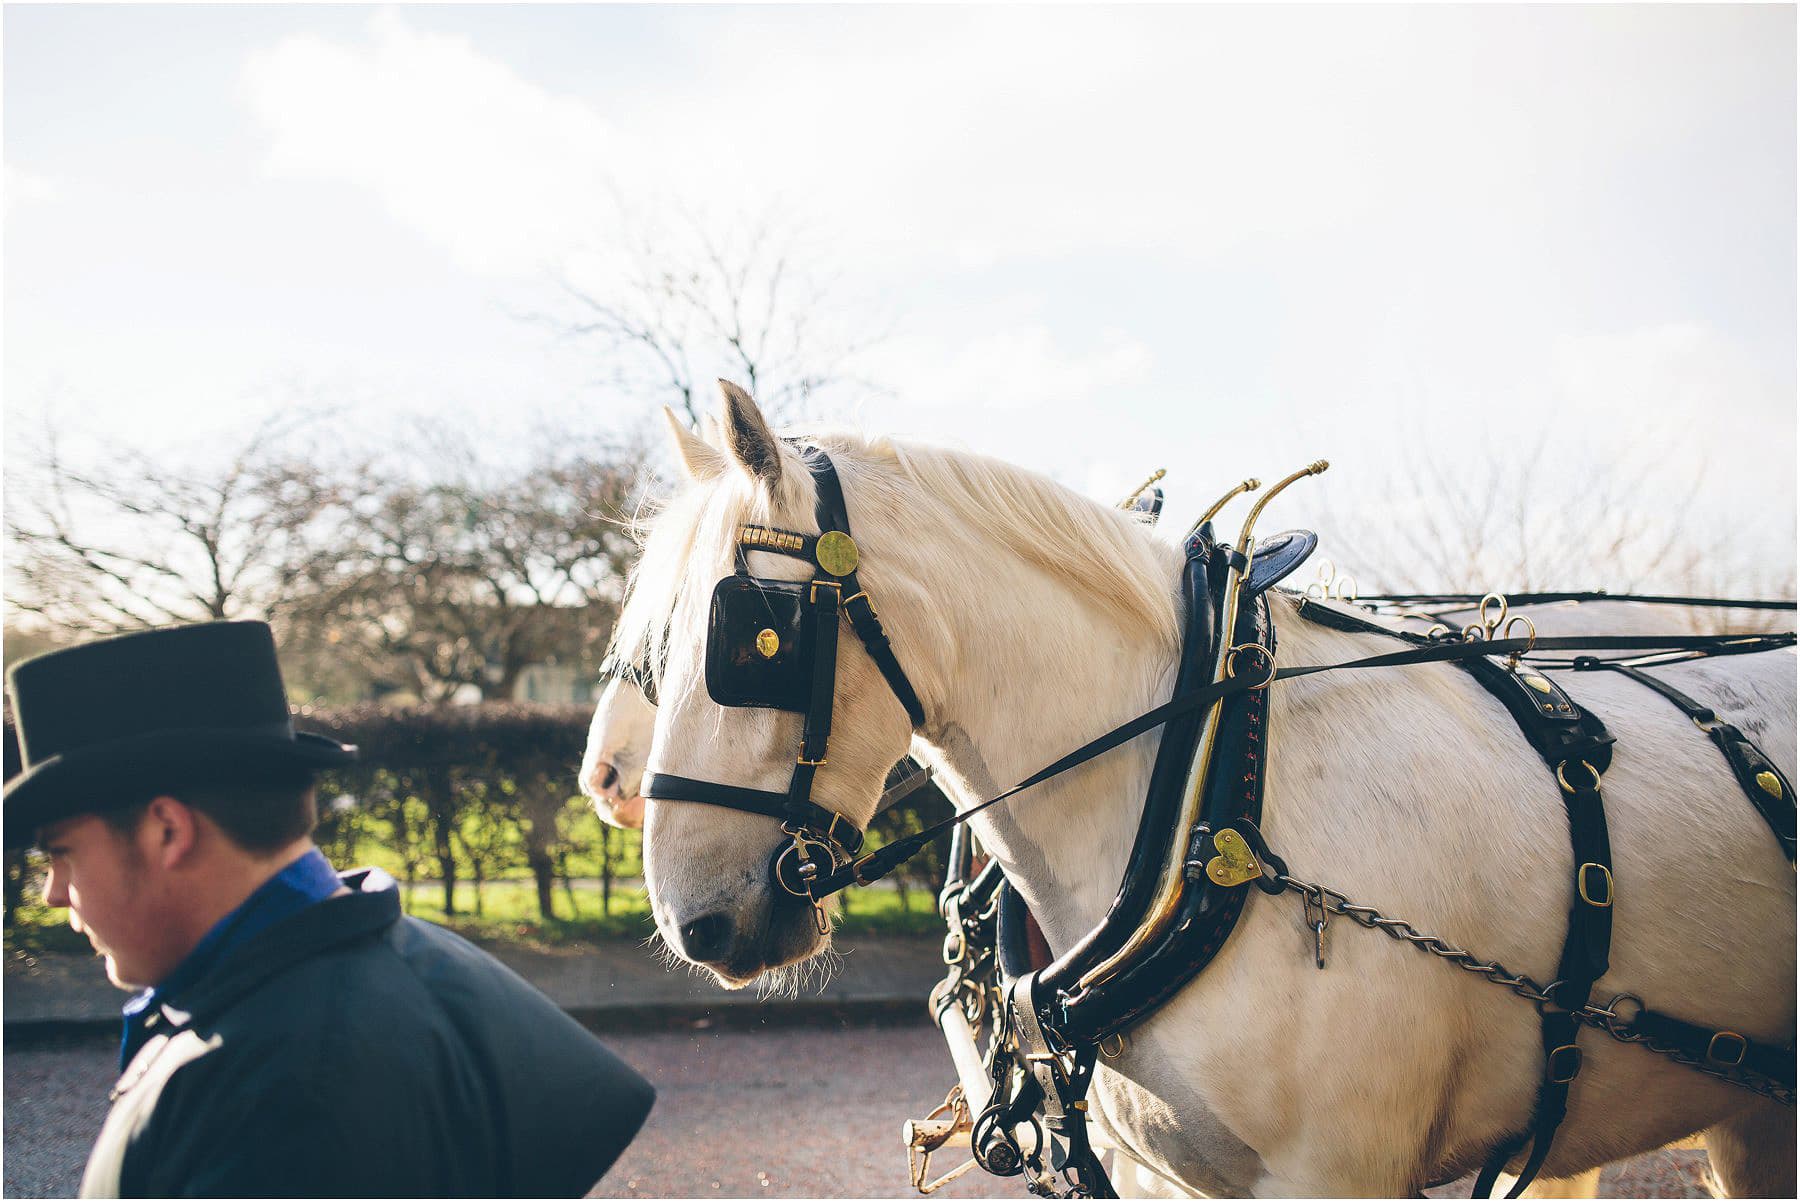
{"x": 1603, "y": 1018}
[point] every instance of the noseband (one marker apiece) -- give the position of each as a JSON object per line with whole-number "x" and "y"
{"x": 773, "y": 644}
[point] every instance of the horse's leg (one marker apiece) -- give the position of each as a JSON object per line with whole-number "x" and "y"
{"x": 1753, "y": 1154}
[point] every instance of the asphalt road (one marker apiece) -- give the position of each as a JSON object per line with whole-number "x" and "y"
{"x": 782, "y": 1113}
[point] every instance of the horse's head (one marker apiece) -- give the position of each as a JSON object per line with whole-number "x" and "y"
{"x": 618, "y": 747}
{"x": 709, "y": 866}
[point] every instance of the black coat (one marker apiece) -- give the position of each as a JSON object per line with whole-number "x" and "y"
{"x": 350, "y": 1051}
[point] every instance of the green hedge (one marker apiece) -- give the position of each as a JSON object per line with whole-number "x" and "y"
{"x": 475, "y": 809}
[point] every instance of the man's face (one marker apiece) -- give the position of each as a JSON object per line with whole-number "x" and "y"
{"x": 106, "y": 882}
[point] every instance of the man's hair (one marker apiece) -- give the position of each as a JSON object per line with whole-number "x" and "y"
{"x": 259, "y": 816}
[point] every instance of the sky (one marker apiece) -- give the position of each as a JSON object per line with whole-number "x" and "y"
{"x": 1095, "y": 241}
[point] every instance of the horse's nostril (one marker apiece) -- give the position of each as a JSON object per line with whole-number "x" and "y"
{"x": 708, "y": 939}
{"x": 609, "y": 777}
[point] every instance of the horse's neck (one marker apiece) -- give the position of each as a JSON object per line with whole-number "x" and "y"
{"x": 1039, "y": 674}
{"x": 1039, "y": 670}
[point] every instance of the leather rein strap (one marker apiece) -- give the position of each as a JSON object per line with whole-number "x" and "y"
{"x": 872, "y": 867}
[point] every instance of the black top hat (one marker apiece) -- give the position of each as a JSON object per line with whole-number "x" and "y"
{"x": 112, "y": 723}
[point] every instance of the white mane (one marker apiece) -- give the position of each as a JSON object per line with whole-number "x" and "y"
{"x": 896, "y": 489}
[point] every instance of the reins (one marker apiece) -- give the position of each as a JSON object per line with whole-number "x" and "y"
{"x": 877, "y": 864}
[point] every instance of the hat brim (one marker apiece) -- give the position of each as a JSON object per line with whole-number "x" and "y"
{"x": 114, "y": 775}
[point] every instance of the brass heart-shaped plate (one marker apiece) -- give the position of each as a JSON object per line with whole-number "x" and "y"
{"x": 1235, "y": 864}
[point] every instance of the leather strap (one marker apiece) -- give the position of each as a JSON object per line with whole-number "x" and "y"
{"x": 1474, "y": 599}
{"x": 1576, "y": 746}
{"x": 884, "y": 860}
{"x": 1767, "y": 787}
{"x": 664, "y": 786}
{"x": 1726, "y": 1049}
{"x": 833, "y": 515}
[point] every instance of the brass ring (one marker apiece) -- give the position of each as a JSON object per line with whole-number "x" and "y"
{"x": 1564, "y": 781}
{"x": 1268, "y": 659}
{"x": 1530, "y": 632}
{"x": 1346, "y": 588}
{"x": 1481, "y": 612}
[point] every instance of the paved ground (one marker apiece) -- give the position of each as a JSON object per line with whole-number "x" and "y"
{"x": 617, "y": 980}
{"x": 740, "y": 1114}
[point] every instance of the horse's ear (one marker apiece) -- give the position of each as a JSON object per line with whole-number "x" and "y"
{"x": 698, "y": 459}
{"x": 748, "y": 437}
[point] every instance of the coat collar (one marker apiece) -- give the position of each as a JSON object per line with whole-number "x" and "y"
{"x": 372, "y": 906}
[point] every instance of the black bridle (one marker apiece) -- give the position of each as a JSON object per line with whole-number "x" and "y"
{"x": 791, "y": 664}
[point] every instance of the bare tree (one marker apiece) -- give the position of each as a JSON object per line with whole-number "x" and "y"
{"x": 1518, "y": 517}
{"x": 669, "y": 307}
{"x": 128, "y": 541}
{"x": 471, "y": 573}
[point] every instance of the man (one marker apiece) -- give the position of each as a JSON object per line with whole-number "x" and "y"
{"x": 296, "y": 1036}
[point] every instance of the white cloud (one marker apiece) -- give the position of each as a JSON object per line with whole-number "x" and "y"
{"x": 495, "y": 168}
{"x": 985, "y": 135}
{"x": 26, "y": 188}
{"x": 1018, "y": 368}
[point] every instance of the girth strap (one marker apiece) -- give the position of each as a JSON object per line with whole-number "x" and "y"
{"x": 1577, "y": 748}
{"x": 1767, "y": 787}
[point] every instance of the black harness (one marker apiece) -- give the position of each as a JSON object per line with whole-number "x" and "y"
{"x": 773, "y": 644}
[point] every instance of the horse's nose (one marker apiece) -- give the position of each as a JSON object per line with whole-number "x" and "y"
{"x": 603, "y": 781}
{"x": 707, "y": 940}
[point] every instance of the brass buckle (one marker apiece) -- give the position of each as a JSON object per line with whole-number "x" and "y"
{"x": 1581, "y": 885}
{"x": 818, "y": 763}
{"x": 1568, "y": 1056}
{"x": 831, "y": 827}
{"x": 812, "y": 591}
{"x": 856, "y": 867}
{"x": 1712, "y": 1054}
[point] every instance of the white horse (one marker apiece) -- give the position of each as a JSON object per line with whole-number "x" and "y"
{"x": 1410, "y": 790}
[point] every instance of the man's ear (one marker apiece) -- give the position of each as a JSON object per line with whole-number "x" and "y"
{"x": 170, "y": 831}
